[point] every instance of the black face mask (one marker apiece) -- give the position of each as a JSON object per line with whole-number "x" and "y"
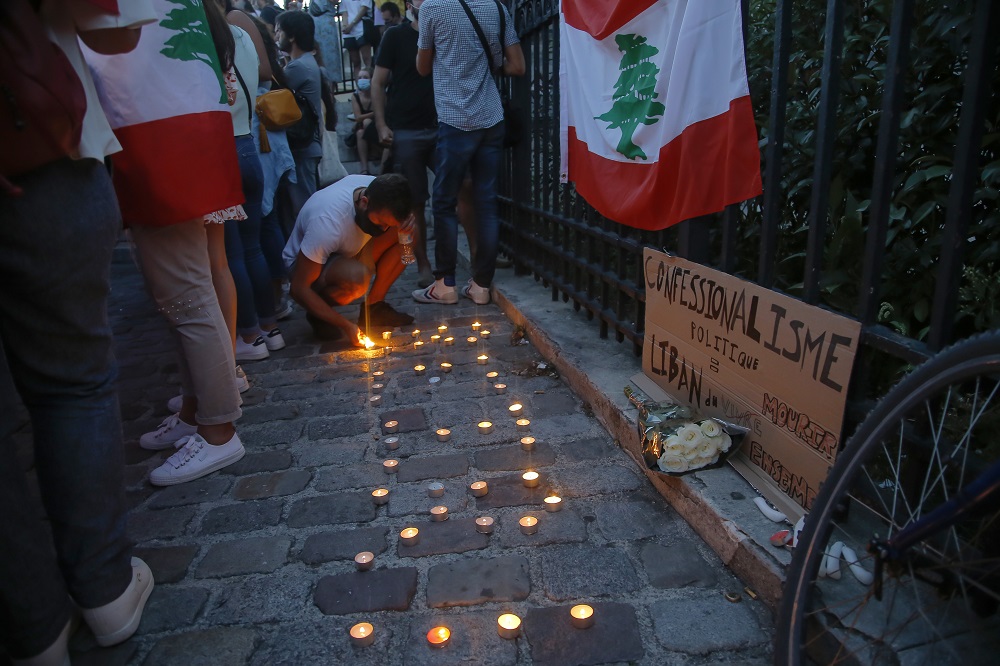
{"x": 366, "y": 225}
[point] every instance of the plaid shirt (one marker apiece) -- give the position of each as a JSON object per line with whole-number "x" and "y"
{"x": 464, "y": 92}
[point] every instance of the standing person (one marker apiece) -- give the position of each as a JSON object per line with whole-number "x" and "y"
{"x": 328, "y": 39}
{"x": 364, "y": 121}
{"x": 391, "y": 15}
{"x": 59, "y": 222}
{"x": 360, "y": 53}
{"x": 470, "y": 132}
{"x": 296, "y": 36}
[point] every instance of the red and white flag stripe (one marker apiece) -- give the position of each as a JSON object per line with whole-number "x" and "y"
{"x": 656, "y": 123}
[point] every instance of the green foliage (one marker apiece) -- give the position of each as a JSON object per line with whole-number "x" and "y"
{"x": 192, "y": 40}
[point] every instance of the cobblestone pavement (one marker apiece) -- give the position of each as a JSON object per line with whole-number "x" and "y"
{"x": 254, "y": 564}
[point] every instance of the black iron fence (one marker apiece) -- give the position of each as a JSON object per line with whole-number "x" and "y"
{"x": 880, "y": 152}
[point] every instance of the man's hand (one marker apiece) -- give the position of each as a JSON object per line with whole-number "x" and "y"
{"x": 385, "y": 136}
{"x": 352, "y": 334}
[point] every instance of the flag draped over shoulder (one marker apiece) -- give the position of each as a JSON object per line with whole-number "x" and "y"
{"x": 656, "y": 125}
{"x": 166, "y": 102}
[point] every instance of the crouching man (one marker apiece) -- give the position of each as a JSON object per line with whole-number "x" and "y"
{"x": 345, "y": 235}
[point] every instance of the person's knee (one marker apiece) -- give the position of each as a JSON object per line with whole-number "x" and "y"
{"x": 347, "y": 283}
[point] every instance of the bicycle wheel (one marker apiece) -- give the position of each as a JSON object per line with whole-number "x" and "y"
{"x": 930, "y": 436}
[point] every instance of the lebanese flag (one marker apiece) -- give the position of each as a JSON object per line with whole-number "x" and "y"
{"x": 656, "y": 125}
{"x": 166, "y": 102}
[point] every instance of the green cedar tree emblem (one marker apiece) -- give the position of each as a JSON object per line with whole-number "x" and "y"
{"x": 192, "y": 40}
{"x": 634, "y": 93}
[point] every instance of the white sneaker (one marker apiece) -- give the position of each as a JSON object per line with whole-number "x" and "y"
{"x": 115, "y": 622}
{"x": 284, "y": 309}
{"x": 242, "y": 383}
{"x": 195, "y": 459}
{"x": 273, "y": 340}
{"x": 175, "y": 403}
{"x": 479, "y": 295}
{"x": 436, "y": 293}
{"x": 167, "y": 434}
{"x": 251, "y": 351}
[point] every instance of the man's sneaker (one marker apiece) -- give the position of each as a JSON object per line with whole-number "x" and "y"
{"x": 115, "y": 622}
{"x": 242, "y": 383}
{"x": 195, "y": 459}
{"x": 167, "y": 434}
{"x": 251, "y": 351}
{"x": 284, "y": 309}
{"x": 436, "y": 293}
{"x": 273, "y": 340}
{"x": 383, "y": 314}
{"x": 479, "y": 295}
{"x": 324, "y": 330}
{"x": 175, "y": 403}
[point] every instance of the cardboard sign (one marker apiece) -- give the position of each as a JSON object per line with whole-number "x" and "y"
{"x": 754, "y": 357}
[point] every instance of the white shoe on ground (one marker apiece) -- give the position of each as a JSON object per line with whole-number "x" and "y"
{"x": 284, "y": 309}
{"x": 273, "y": 340}
{"x": 169, "y": 432}
{"x": 242, "y": 383}
{"x": 479, "y": 295}
{"x": 251, "y": 351}
{"x": 175, "y": 403}
{"x": 195, "y": 459}
{"x": 436, "y": 293}
{"x": 115, "y": 622}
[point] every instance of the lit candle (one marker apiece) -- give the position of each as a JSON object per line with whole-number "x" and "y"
{"x": 378, "y": 388}
{"x": 439, "y": 514}
{"x": 362, "y": 634}
{"x": 484, "y": 334}
{"x": 523, "y": 425}
{"x": 516, "y": 409}
{"x": 418, "y": 344}
{"x": 416, "y": 333}
{"x": 410, "y": 536}
{"x": 364, "y": 561}
{"x": 438, "y": 637}
{"x": 387, "y": 335}
{"x": 484, "y": 525}
{"x": 390, "y": 426}
{"x": 528, "y": 443}
{"x": 442, "y": 328}
{"x": 435, "y": 489}
{"x": 365, "y": 340}
{"x": 509, "y": 626}
{"x": 479, "y": 489}
{"x": 435, "y": 338}
{"x": 392, "y": 443}
{"x": 449, "y": 340}
{"x": 390, "y": 466}
{"x": 582, "y": 616}
{"x": 476, "y": 326}
{"x": 378, "y": 375}
{"x": 420, "y": 369}
{"x": 443, "y": 434}
{"x": 500, "y": 388}
{"x": 446, "y": 367}
{"x": 492, "y": 375}
{"x": 528, "y": 524}
{"x": 553, "y": 503}
{"x": 375, "y": 400}
{"x": 485, "y": 427}
{"x": 530, "y": 479}
{"x": 482, "y": 359}
{"x": 380, "y": 496}
{"x": 472, "y": 339}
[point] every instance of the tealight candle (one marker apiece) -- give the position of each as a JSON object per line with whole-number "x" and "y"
{"x": 492, "y": 375}
{"x": 509, "y": 626}
{"x": 449, "y": 340}
{"x": 420, "y": 369}
{"x": 523, "y": 425}
{"x": 390, "y": 466}
{"x": 435, "y": 338}
{"x": 484, "y": 525}
{"x": 387, "y": 335}
{"x": 378, "y": 388}
{"x": 528, "y": 443}
{"x": 390, "y": 426}
{"x": 484, "y": 334}
{"x": 479, "y": 489}
{"x": 362, "y": 634}
{"x": 485, "y": 427}
{"x": 530, "y": 479}
{"x": 375, "y": 400}
{"x": 418, "y": 344}
{"x": 582, "y": 616}
{"x": 553, "y": 503}
{"x": 528, "y": 524}
{"x": 439, "y": 514}
{"x": 364, "y": 561}
{"x": 435, "y": 489}
{"x": 442, "y": 328}
{"x": 443, "y": 434}
{"x": 500, "y": 388}
{"x": 476, "y": 326}
{"x": 482, "y": 359}
{"x": 516, "y": 409}
{"x": 392, "y": 443}
{"x": 380, "y": 496}
{"x": 416, "y": 333}
{"x": 378, "y": 374}
{"x": 438, "y": 637}
{"x": 446, "y": 367}
{"x": 410, "y": 536}
{"x": 472, "y": 339}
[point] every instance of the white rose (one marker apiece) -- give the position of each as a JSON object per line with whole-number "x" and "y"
{"x": 707, "y": 447}
{"x": 724, "y": 442}
{"x": 691, "y": 454}
{"x": 689, "y": 436}
{"x": 672, "y": 464}
{"x": 711, "y": 428}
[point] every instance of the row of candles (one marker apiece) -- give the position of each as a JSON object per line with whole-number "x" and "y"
{"x": 581, "y": 616}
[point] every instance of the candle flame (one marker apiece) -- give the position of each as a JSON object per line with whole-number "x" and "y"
{"x": 365, "y": 340}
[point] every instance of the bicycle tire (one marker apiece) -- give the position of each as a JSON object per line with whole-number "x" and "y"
{"x": 818, "y": 619}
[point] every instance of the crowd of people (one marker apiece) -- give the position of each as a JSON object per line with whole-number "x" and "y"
{"x": 222, "y": 223}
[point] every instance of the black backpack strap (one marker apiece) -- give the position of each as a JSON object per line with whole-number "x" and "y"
{"x": 245, "y": 92}
{"x": 482, "y": 37}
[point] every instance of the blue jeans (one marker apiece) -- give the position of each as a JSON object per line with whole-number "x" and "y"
{"x": 458, "y": 151}
{"x": 254, "y": 292}
{"x": 55, "y": 256}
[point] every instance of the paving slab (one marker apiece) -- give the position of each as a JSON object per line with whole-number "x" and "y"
{"x": 509, "y": 490}
{"x": 478, "y": 580}
{"x": 244, "y": 556}
{"x": 629, "y": 521}
{"x": 172, "y": 608}
{"x": 568, "y": 572}
{"x": 366, "y": 591}
{"x": 334, "y": 509}
{"x": 677, "y": 565}
{"x": 614, "y": 637}
{"x": 243, "y": 517}
{"x": 411, "y": 499}
{"x": 565, "y": 526}
{"x": 217, "y": 646}
{"x": 515, "y": 458}
{"x": 194, "y": 492}
{"x": 681, "y": 626}
{"x": 275, "y": 484}
{"x": 169, "y": 564}
{"x": 344, "y": 544}
{"x": 433, "y": 467}
{"x": 455, "y": 535}
{"x": 256, "y": 462}
{"x": 474, "y": 640}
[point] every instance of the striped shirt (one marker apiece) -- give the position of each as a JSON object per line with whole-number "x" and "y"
{"x": 464, "y": 92}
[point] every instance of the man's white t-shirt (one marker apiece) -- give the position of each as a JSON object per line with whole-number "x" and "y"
{"x": 326, "y": 226}
{"x": 352, "y": 8}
